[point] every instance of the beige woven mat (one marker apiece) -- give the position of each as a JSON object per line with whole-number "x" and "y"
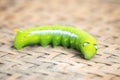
{"x": 101, "y": 18}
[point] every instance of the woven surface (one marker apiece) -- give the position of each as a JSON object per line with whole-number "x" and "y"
{"x": 101, "y": 18}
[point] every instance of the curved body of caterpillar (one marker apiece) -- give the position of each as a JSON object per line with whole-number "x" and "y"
{"x": 58, "y": 35}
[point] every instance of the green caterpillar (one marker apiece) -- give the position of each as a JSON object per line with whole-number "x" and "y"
{"x": 58, "y": 35}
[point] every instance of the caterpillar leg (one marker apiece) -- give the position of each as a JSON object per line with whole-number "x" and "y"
{"x": 56, "y": 40}
{"x": 72, "y": 42}
{"x": 77, "y": 44}
{"x": 65, "y": 40}
{"x": 45, "y": 39}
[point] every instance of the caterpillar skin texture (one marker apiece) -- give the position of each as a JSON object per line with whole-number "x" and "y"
{"x": 57, "y": 35}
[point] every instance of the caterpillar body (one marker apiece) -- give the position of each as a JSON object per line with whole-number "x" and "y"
{"x": 58, "y": 35}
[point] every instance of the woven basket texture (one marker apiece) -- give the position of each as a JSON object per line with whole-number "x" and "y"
{"x": 100, "y": 18}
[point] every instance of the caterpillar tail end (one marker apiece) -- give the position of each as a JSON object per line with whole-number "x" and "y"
{"x": 17, "y": 46}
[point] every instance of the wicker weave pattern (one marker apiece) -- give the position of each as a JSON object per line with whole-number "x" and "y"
{"x": 101, "y": 18}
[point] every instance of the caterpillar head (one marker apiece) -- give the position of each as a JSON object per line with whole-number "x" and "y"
{"x": 89, "y": 49}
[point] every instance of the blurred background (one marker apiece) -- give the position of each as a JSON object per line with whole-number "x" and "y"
{"x": 100, "y": 18}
